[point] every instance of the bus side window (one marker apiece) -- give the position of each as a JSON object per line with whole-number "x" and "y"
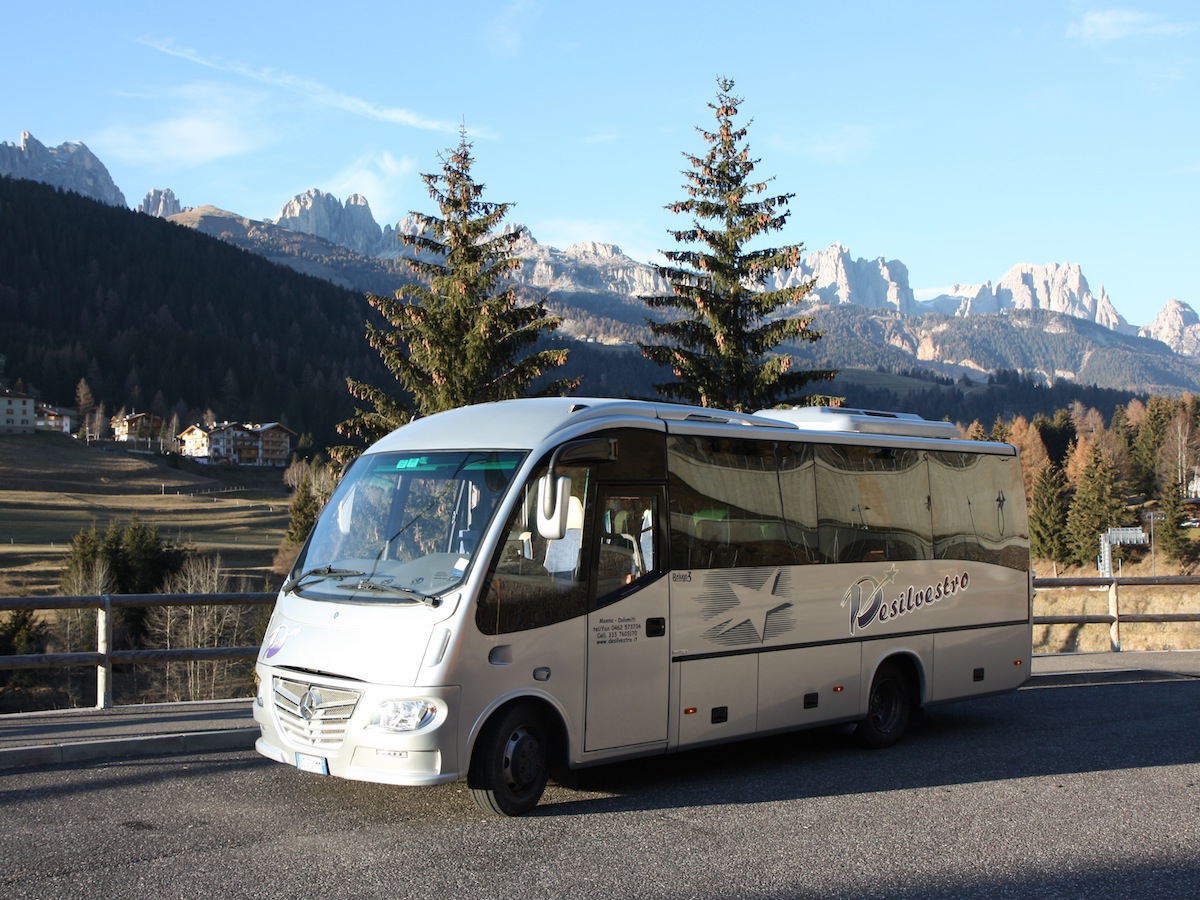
{"x": 536, "y": 582}
{"x": 626, "y": 539}
{"x": 727, "y": 507}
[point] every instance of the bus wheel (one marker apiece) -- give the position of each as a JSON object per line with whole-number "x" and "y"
{"x": 888, "y": 708}
{"x": 511, "y": 762}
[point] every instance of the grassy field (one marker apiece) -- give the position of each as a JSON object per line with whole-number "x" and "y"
{"x": 52, "y": 487}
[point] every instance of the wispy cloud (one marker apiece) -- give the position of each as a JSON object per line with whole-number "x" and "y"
{"x": 504, "y": 33}
{"x": 314, "y": 91}
{"x": 381, "y": 178}
{"x": 215, "y": 122}
{"x": 1110, "y": 25}
{"x": 841, "y": 145}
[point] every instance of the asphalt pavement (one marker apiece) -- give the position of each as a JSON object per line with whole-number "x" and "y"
{"x": 83, "y": 735}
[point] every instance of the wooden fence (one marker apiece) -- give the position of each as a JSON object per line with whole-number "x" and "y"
{"x": 104, "y": 657}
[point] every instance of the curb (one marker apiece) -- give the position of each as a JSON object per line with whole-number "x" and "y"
{"x": 125, "y": 748}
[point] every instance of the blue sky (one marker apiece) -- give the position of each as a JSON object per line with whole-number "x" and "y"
{"x": 958, "y": 137}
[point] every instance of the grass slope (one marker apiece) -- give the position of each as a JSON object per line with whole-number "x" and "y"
{"x": 52, "y": 487}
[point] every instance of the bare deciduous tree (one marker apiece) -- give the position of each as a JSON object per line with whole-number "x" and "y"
{"x": 202, "y": 626}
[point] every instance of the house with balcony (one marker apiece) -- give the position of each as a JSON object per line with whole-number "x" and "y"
{"x": 52, "y": 418}
{"x": 243, "y": 444}
{"x": 137, "y": 426}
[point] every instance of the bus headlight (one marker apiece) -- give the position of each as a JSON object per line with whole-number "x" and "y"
{"x": 403, "y": 715}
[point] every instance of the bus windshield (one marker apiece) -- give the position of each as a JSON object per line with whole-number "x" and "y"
{"x": 403, "y": 527}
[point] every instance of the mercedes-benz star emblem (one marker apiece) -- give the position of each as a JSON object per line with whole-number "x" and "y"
{"x": 310, "y": 702}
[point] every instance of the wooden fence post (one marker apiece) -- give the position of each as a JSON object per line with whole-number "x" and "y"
{"x": 1114, "y": 630}
{"x": 104, "y": 635}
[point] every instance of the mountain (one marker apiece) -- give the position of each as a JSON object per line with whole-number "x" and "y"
{"x": 838, "y": 278}
{"x": 1052, "y": 287}
{"x": 1045, "y": 346}
{"x": 70, "y": 166}
{"x": 1177, "y": 326}
{"x": 160, "y": 203}
{"x": 866, "y": 306}
{"x": 303, "y": 252}
{"x": 323, "y": 215}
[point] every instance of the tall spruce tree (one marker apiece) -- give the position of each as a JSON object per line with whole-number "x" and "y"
{"x": 1048, "y": 515}
{"x": 459, "y": 336}
{"x": 1151, "y": 434}
{"x": 1095, "y": 508}
{"x": 722, "y": 351}
{"x": 1172, "y": 539}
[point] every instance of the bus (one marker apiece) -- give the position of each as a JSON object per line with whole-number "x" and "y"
{"x": 504, "y": 592}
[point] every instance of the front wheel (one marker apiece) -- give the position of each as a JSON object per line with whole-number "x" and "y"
{"x": 889, "y": 708}
{"x": 511, "y": 762}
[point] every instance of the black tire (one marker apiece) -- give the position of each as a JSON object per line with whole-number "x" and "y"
{"x": 889, "y": 708}
{"x": 511, "y": 762}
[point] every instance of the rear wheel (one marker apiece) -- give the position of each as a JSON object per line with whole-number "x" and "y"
{"x": 889, "y": 708}
{"x": 511, "y": 762}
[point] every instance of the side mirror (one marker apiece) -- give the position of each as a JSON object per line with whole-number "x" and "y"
{"x": 553, "y": 501}
{"x": 345, "y": 510}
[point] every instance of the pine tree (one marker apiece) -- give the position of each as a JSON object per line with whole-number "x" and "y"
{"x": 459, "y": 336}
{"x": 1048, "y": 515}
{"x": 1095, "y": 508}
{"x": 1171, "y": 538}
{"x": 1151, "y": 434}
{"x": 302, "y": 512}
{"x": 722, "y": 352}
{"x": 1000, "y": 430}
{"x": 1057, "y": 434}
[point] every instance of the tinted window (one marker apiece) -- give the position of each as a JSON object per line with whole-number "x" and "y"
{"x": 726, "y": 508}
{"x": 979, "y": 509}
{"x": 873, "y": 503}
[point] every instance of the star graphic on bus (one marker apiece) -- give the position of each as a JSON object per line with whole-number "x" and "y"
{"x": 756, "y": 605}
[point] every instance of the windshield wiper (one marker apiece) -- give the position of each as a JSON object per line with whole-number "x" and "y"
{"x": 324, "y": 571}
{"x": 367, "y": 585}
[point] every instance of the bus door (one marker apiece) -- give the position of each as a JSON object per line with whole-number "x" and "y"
{"x": 628, "y": 654}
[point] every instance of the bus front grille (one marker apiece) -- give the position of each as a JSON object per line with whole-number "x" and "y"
{"x": 313, "y": 715}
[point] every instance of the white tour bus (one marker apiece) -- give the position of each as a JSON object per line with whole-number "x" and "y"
{"x": 501, "y": 591}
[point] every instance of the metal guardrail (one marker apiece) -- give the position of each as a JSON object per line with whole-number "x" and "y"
{"x": 104, "y": 658}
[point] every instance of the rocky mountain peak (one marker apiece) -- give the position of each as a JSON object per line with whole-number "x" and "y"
{"x": 323, "y": 215}
{"x": 1178, "y": 326}
{"x": 70, "y": 166}
{"x": 593, "y": 249}
{"x": 1057, "y": 287}
{"x": 839, "y": 278}
{"x": 160, "y": 203}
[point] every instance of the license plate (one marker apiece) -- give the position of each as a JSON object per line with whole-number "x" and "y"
{"x": 315, "y": 764}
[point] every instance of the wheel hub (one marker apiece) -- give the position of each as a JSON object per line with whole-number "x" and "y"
{"x": 522, "y": 758}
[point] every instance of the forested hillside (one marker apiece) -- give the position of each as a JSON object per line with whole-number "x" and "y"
{"x": 159, "y": 317}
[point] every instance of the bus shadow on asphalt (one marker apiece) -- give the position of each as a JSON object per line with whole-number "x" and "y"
{"x": 1072, "y": 726}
